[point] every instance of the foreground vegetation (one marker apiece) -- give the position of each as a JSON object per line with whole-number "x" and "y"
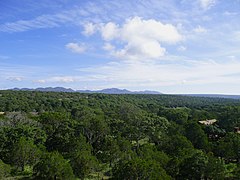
{"x": 47, "y": 135}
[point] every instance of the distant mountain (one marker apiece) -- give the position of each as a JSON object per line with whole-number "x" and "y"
{"x": 103, "y": 91}
{"x": 120, "y": 91}
{"x": 55, "y": 89}
{"x": 114, "y": 91}
{"x": 147, "y": 92}
{"x": 47, "y": 89}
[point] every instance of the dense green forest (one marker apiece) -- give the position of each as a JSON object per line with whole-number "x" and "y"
{"x": 49, "y": 135}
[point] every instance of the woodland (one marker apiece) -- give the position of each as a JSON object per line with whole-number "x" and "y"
{"x": 64, "y": 135}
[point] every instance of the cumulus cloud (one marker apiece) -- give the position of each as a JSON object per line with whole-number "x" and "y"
{"x": 76, "y": 48}
{"x": 139, "y": 38}
{"x": 89, "y": 29}
{"x": 206, "y": 4}
{"x": 110, "y": 31}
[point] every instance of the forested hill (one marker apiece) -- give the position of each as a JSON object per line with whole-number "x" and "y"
{"x": 69, "y": 135}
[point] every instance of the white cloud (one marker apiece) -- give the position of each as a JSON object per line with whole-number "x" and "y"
{"x": 76, "y": 48}
{"x": 62, "y": 79}
{"x": 182, "y": 48}
{"x": 206, "y": 4}
{"x": 69, "y": 79}
{"x": 200, "y": 29}
{"x": 15, "y": 78}
{"x": 139, "y": 39}
{"x": 57, "y": 79}
{"x": 108, "y": 47}
{"x": 42, "y": 81}
{"x": 155, "y": 75}
{"x": 89, "y": 29}
{"x": 110, "y": 31}
{"x": 43, "y": 21}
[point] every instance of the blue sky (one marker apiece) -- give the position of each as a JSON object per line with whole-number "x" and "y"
{"x": 172, "y": 46}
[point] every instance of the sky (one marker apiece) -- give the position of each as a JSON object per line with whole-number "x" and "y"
{"x": 171, "y": 46}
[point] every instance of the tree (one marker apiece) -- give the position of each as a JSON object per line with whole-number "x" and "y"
{"x": 53, "y": 166}
{"x": 229, "y": 117}
{"x": 81, "y": 158}
{"x": 193, "y": 166}
{"x": 4, "y": 170}
{"x": 25, "y": 153}
{"x": 229, "y": 147}
{"x": 155, "y": 127}
{"x": 110, "y": 151}
{"x": 197, "y": 136}
{"x": 215, "y": 168}
{"x": 59, "y": 129}
{"x": 178, "y": 115}
{"x": 139, "y": 169}
{"x": 150, "y": 152}
{"x": 175, "y": 144}
{"x": 236, "y": 172}
{"x": 83, "y": 163}
{"x": 94, "y": 127}
{"x": 12, "y": 128}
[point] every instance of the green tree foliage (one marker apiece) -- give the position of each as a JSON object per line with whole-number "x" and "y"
{"x": 92, "y": 124}
{"x": 197, "y": 136}
{"x": 139, "y": 169}
{"x": 178, "y": 115}
{"x": 110, "y": 151}
{"x": 229, "y": 117}
{"x": 118, "y": 136}
{"x": 4, "y": 170}
{"x": 53, "y": 166}
{"x": 155, "y": 127}
{"x": 133, "y": 126}
{"x": 25, "y": 153}
{"x": 215, "y": 168}
{"x": 236, "y": 172}
{"x": 81, "y": 158}
{"x": 214, "y": 132}
{"x": 174, "y": 145}
{"x": 194, "y": 166}
{"x": 14, "y": 126}
{"x": 59, "y": 129}
{"x": 229, "y": 147}
{"x": 149, "y": 152}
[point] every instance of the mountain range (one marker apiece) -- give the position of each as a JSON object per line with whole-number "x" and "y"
{"x": 103, "y": 91}
{"x": 119, "y": 91}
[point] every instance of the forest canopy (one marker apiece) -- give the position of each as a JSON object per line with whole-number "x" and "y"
{"x": 50, "y": 135}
